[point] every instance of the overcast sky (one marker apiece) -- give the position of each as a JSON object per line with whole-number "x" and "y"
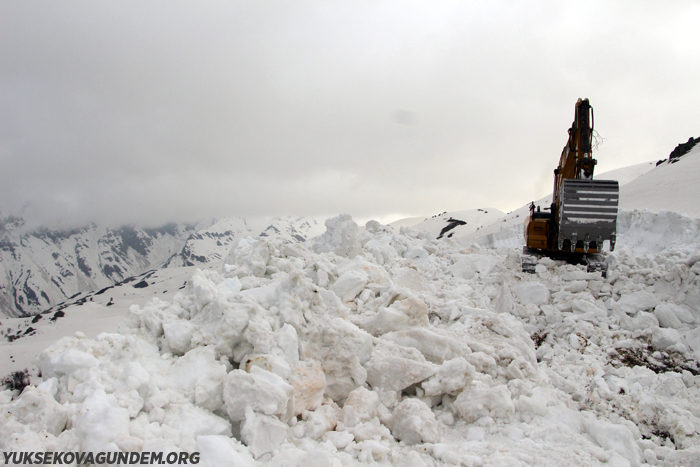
{"x": 151, "y": 111}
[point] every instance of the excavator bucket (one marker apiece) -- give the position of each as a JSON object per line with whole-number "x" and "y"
{"x": 588, "y": 214}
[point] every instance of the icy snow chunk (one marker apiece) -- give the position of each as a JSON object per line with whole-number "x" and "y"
{"x": 131, "y": 400}
{"x": 402, "y": 314}
{"x": 532, "y": 292}
{"x": 230, "y": 286}
{"x": 395, "y": 373}
{"x": 342, "y": 237}
{"x": 413, "y": 422}
{"x": 341, "y": 348}
{"x": 576, "y": 286}
{"x": 616, "y": 438}
{"x": 381, "y": 249}
{"x": 436, "y": 348}
{"x": 259, "y": 390}
{"x": 192, "y": 421}
{"x": 636, "y": 301}
{"x": 504, "y": 301}
{"x": 221, "y": 451}
{"x": 481, "y": 400}
{"x": 692, "y": 338}
{"x": 318, "y": 458}
{"x": 408, "y": 278}
{"x": 135, "y": 376}
{"x": 39, "y": 411}
{"x": 537, "y": 404}
{"x": 451, "y": 377}
{"x": 309, "y": 385}
{"x": 261, "y": 433}
{"x": 584, "y": 306}
{"x": 65, "y": 363}
{"x": 361, "y": 406}
{"x": 318, "y": 423}
{"x": 178, "y": 335}
{"x": 667, "y": 316}
{"x": 579, "y": 276}
{"x": 339, "y": 439}
{"x": 249, "y": 257}
{"x": 643, "y": 320}
{"x": 472, "y": 264}
{"x": 100, "y": 422}
{"x": 199, "y": 373}
{"x": 203, "y": 289}
{"x": 349, "y": 284}
{"x": 665, "y": 338}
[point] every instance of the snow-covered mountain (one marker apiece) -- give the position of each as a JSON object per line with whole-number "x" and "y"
{"x": 45, "y": 267}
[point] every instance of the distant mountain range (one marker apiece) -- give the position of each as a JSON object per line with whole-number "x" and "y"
{"x": 44, "y": 267}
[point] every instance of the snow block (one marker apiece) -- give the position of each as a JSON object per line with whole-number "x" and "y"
{"x": 309, "y": 384}
{"x": 261, "y": 433}
{"x": 481, "y": 400}
{"x": 666, "y": 316}
{"x": 451, "y": 377}
{"x": 361, "y": 406}
{"x": 101, "y": 423}
{"x": 532, "y": 292}
{"x": 636, "y": 301}
{"x": 342, "y": 237}
{"x": 393, "y": 373}
{"x": 616, "y": 438}
{"x": 413, "y": 422}
{"x": 260, "y": 391}
{"x": 349, "y": 284}
{"x": 584, "y": 306}
{"x": 200, "y": 373}
{"x": 436, "y": 348}
{"x": 221, "y": 451}
{"x": 402, "y": 314}
{"x": 65, "y": 362}
{"x": 665, "y": 338}
{"x": 192, "y": 421}
{"x": 39, "y": 411}
{"x": 178, "y": 335}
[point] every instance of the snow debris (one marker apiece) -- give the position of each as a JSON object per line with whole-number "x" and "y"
{"x": 381, "y": 348}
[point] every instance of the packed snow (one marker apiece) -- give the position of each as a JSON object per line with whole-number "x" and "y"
{"x": 375, "y": 347}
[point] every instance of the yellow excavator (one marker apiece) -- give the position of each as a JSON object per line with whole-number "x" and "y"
{"x": 583, "y": 213}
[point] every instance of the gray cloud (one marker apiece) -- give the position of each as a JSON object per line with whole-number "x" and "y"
{"x": 149, "y": 111}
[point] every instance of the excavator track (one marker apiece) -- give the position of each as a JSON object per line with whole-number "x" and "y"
{"x": 588, "y": 214}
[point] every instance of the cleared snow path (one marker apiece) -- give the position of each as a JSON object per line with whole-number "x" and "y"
{"x": 378, "y": 348}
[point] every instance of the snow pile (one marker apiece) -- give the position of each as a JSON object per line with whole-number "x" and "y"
{"x": 669, "y": 186}
{"x": 381, "y": 348}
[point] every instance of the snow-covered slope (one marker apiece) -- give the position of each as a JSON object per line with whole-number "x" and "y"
{"x": 671, "y": 186}
{"x": 455, "y": 224}
{"x": 91, "y": 313}
{"x": 45, "y": 267}
{"x": 383, "y": 348}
